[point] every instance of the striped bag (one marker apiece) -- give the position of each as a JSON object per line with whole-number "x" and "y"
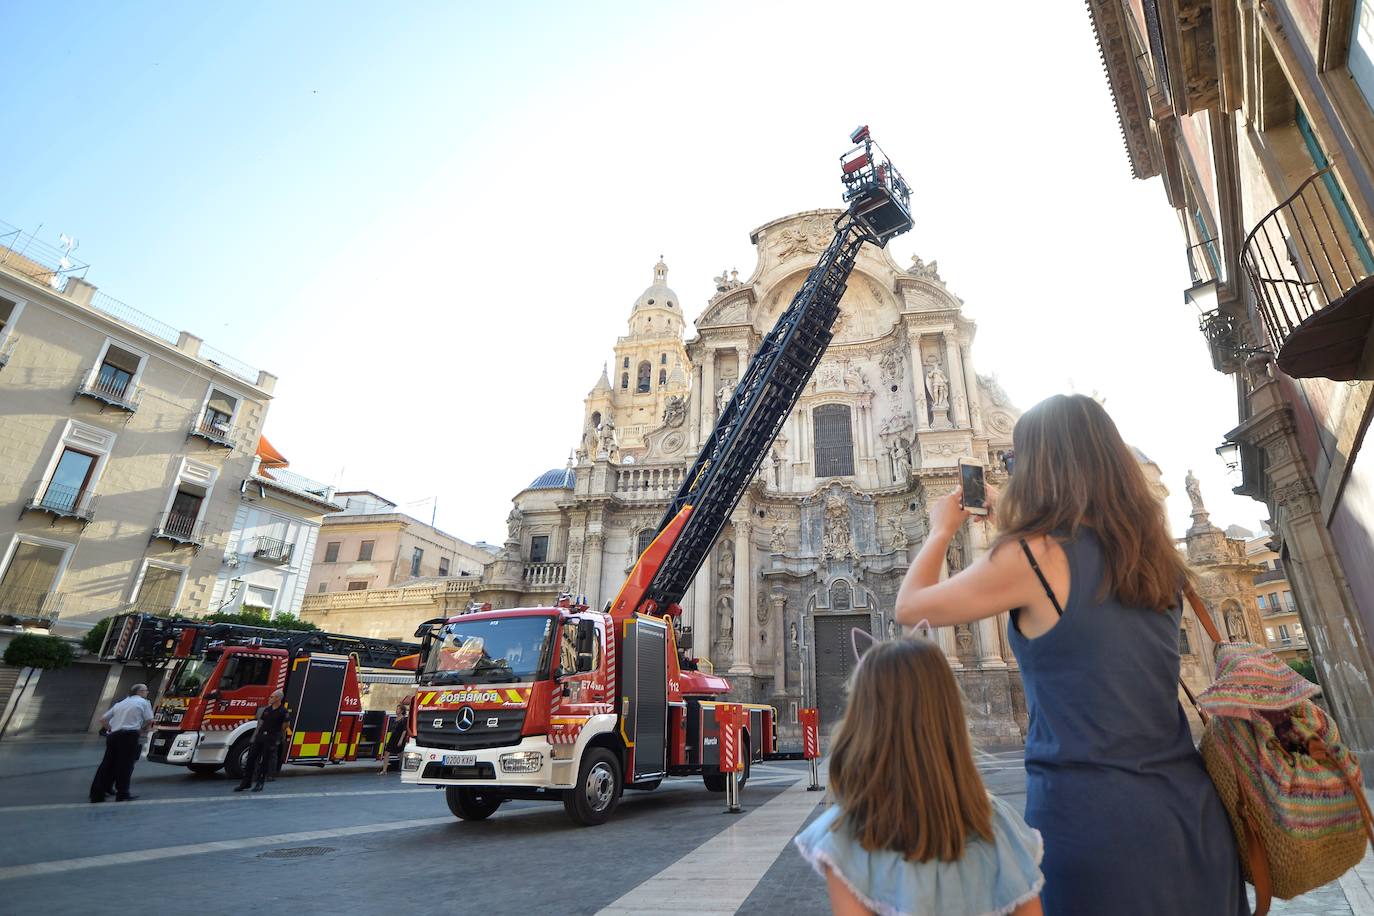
{"x": 1292, "y": 790}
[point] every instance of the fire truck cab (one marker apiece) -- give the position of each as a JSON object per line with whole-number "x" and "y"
{"x": 562, "y": 704}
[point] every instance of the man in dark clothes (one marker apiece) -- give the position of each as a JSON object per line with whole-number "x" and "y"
{"x": 123, "y": 725}
{"x": 266, "y": 744}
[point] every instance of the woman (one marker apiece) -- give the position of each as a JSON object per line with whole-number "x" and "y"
{"x": 396, "y": 735}
{"x": 1131, "y": 822}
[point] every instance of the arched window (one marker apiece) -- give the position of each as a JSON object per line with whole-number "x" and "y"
{"x": 834, "y": 441}
{"x": 596, "y": 418}
{"x": 663, "y": 376}
{"x": 626, "y": 364}
{"x": 663, "y": 359}
{"x": 642, "y": 542}
{"x": 643, "y": 377}
{"x": 840, "y": 595}
{"x": 624, "y": 380}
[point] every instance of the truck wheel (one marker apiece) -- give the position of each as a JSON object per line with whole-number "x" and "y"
{"x": 597, "y": 792}
{"x": 204, "y": 769}
{"x": 715, "y": 782}
{"x": 471, "y": 804}
{"x": 236, "y": 761}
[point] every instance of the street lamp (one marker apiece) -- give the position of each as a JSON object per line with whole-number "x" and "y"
{"x": 1229, "y": 452}
{"x": 1202, "y": 296}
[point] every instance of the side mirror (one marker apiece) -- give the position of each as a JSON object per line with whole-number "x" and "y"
{"x": 586, "y": 646}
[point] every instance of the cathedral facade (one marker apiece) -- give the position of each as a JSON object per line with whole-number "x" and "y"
{"x": 821, "y": 540}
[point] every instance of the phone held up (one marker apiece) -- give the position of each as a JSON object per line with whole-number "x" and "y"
{"x": 975, "y": 498}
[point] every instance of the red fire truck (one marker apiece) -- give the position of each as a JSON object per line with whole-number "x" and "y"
{"x": 574, "y": 704}
{"x": 221, "y": 673}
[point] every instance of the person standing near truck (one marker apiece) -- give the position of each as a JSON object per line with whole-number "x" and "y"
{"x": 123, "y": 726}
{"x": 396, "y": 736}
{"x": 266, "y": 745}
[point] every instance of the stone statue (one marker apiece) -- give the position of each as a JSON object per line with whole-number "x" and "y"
{"x": 513, "y": 522}
{"x": 954, "y": 556}
{"x": 901, "y": 461}
{"x": 674, "y": 411}
{"x": 899, "y": 538}
{"x": 1194, "y": 490}
{"x": 963, "y": 637}
{"x": 725, "y": 564}
{"x": 837, "y": 542}
{"x": 727, "y": 616}
{"x": 920, "y": 268}
{"x": 777, "y": 469}
{"x": 723, "y": 395}
{"x": 792, "y": 633}
{"x": 607, "y": 436}
{"x": 779, "y": 543}
{"x": 937, "y": 383}
{"x": 891, "y": 628}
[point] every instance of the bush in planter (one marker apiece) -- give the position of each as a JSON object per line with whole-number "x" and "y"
{"x": 252, "y": 616}
{"x": 32, "y": 650}
{"x": 95, "y": 636}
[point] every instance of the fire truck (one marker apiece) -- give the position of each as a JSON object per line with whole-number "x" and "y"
{"x": 574, "y": 704}
{"x": 221, "y": 673}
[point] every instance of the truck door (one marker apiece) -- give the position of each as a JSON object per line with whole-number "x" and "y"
{"x": 314, "y": 692}
{"x": 242, "y": 684}
{"x": 579, "y": 695}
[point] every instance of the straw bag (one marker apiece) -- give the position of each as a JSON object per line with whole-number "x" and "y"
{"x": 1290, "y": 787}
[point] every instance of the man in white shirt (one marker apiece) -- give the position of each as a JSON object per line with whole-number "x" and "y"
{"x": 124, "y": 723}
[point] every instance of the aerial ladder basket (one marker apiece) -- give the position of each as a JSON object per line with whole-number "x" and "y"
{"x": 878, "y": 201}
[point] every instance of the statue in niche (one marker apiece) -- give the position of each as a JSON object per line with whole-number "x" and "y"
{"x": 899, "y": 539}
{"x": 674, "y": 411}
{"x": 589, "y": 438}
{"x": 901, "y": 461}
{"x": 891, "y": 628}
{"x": 513, "y": 522}
{"x": 1194, "y": 489}
{"x": 723, "y": 394}
{"x": 1235, "y": 625}
{"x": 792, "y": 633}
{"x": 777, "y": 469}
{"x": 727, "y": 617}
{"x": 779, "y": 539}
{"x": 954, "y": 556}
{"x": 607, "y": 436}
{"x": 837, "y": 542}
{"x": 725, "y": 563}
{"x": 937, "y": 383}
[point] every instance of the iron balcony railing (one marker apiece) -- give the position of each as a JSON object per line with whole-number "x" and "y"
{"x": 1304, "y": 254}
{"x": 1204, "y": 262}
{"x": 63, "y": 502}
{"x": 216, "y": 432}
{"x": 1224, "y": 340}
{"x": 29, "y": 606}
{"x": 272, "y": 550}
{"x": 7, "y": 345}
{"x": 24, "y": 253}
{"x": 180, "y": 528}
{"x": 111, "y": 389}
{"x": 1271, "y": 575}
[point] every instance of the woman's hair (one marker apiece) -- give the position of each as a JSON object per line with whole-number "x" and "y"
{"x": 1074, "y": 471}
{"x": 901, "y": 766}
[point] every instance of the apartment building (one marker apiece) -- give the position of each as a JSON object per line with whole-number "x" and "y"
{"x": 1278, "y": 607}
{"x": 123, "y": 443}
{"x": 371, "y": 545}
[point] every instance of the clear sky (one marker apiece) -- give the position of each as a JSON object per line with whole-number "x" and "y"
{"x": 431, "y": 220}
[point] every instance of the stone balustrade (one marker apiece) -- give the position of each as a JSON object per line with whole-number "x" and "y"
{"x": 545, "y": 575}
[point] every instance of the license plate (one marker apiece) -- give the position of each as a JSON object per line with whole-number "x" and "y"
{"x": 460, "y": 760}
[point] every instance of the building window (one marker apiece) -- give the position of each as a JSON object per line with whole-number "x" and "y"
{"x": 1338, "y": 199}
{"x": 443, "y": 566}
{"x": 596, "y": 419}
{"x": 365, "y": 551}
{"x": 644, "y": 373}
{"x": 663, "y": 376}
{"x": 184, "y": 513}
{"x": 115, "y": 373}
{"x": 646, "y": 537}
{"x": 29, "y": 584}
{"x": 1274, "y": 600}
{"x": 324, "y": 587}
{"x": 1269, "y": 634}
{"x": 1183, "y": 647}
{"x": 331, "y": 552}
{"x": 67, "y": 489}
{"x": 1289, "y": 603}
{"x": 1283, "y": 632}
{"x": 68, "y": 485}
{"x": 1360, "y": 60}
{"x": 539, "y": 548}
{"x": 624, "y": 380}
{"x": 261, "y": 596}
{"x": 357, "y": 586}
{"x": 626, "y": 363}
{"x": 1259, "y": 599}
{"x": 415, "y": 559}
{"x": 663, "y": 359}
{"x": 834, "y": 441}
{"x": 217, "y": 418}
{"x": 159, "y": 589}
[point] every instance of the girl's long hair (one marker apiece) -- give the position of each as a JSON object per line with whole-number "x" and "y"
{"x": 901, "y": 767}
{"x": 1074, "y": 471}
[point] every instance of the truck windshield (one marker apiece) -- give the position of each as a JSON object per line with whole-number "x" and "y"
{"x": 190, "y": 677}
{"x": 489, "y": 651}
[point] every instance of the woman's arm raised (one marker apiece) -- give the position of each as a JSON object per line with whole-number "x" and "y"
{"x": 994, "y": 583}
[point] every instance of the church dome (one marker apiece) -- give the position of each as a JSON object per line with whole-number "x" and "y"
{"x": 557, "y": 479}
{"x": 659, "y": 295}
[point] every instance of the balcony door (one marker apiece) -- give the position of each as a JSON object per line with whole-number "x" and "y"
{"x": 30, "y": 577}
{"x": 185, "y": 512}
{"x": 157, "y": 593}
{"x": 69, "y": 480}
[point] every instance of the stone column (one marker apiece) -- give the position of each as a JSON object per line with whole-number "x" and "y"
{"x": 694, "y": 414}
{"x": 701, "y": 609}
{"x": 958, "y": 396}
{"x": 744, "y": 599}
{"x": 594, "y": 542}
{"x": 971, "y": 384}
{"x": 918, "y": 383}
{"x": 989, "y": 642}
{"x": 708, "y": 393}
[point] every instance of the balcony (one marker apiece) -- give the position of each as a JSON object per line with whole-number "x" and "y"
{"x": 1271, "y": 575}
{"x": 545, "y": 576}
{"x": 181, "y": 528}
{"x": 641, "y": 484}
{"x": 1309, "y": 265}
{"x": 272, "y": 550}
{"x": 216, "y": 432}
{"x": 7, "y": 345}
{"x": 1225, "y": 340}
{"x": 110, "y": 390}
{"x": 63, "y": 502}
{"x": 29, "y": 607}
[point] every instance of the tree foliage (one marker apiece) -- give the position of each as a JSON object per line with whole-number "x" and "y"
{"x": 32, "y": 650}
{"x": 251, "y": 616}
{"x": 1304, "y": 667}
{"x": 95, "y": 636}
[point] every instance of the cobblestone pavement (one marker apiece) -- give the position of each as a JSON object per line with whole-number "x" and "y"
{"x": 344, "y": 840}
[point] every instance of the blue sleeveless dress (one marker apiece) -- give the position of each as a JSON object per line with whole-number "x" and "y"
{"x": 1131, "y": 822}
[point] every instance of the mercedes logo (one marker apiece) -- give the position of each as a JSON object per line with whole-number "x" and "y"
{"x": 465, "y": 719}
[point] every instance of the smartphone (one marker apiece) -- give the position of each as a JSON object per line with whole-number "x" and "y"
{"x": 975, "y": 489}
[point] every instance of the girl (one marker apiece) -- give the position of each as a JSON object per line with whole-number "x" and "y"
{"x": 913, "y": 831}
{"x": 1132, "y": 824}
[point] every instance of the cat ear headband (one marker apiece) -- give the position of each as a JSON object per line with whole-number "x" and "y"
{"x": 861, "y": 640}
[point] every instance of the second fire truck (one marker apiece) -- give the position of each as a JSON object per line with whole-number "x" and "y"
{"x": 574, "y": 704}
